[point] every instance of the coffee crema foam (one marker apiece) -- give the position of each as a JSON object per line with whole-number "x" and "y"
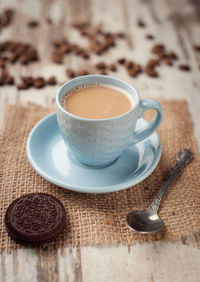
{"x": 97, "y": 101}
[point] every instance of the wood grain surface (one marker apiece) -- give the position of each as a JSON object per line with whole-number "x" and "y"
{"x": 173, "y": 23}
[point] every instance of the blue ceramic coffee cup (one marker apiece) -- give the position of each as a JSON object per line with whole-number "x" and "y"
{"x": 98, "y": 142}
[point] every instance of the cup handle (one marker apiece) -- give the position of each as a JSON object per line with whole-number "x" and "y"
{"x": 145, "y": 132}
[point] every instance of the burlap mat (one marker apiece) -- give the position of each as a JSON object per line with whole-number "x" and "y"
{"x": 94, "y": 219}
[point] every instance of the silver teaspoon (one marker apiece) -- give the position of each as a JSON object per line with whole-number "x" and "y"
{"x": 147, "y": 221}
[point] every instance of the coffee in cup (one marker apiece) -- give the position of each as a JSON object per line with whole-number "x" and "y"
{"x": 95, "y": 101}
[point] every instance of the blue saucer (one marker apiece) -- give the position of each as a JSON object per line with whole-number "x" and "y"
{"x": 49, "y": 156}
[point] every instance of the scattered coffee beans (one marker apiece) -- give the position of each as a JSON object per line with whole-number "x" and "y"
{"x": 6, "y": 78}
{"x": 151, "y": 71}
{"x": 6, "y": 18}
{"x": 101, "y": 66}
{"x": 28, "y": 80}
{"x": 196, "y": 48}
{"x": 17, "y": 51}
{"x": 52, "y": 80}
{"x": 112, "y": 67}
{"x": 128, "y": 64}
{"x": 99, "y": 40}
{"x": 33, "y": 24}
{"x": 57, "y": 57}
{"x": 141, "y": 23}
{"x": 37, "y": 82}
{"x": 63, "y": 47}
{"x": 184, "y": 67}
{"x": 150, "y": 36}
{"x": 70, "y": 73}
{"x": 121, "y": 61}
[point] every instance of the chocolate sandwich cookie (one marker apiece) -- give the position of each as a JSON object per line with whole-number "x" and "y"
{"x": 34, "y": 219}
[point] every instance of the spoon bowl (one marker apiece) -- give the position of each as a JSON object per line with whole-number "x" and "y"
{"x": 148, "y": 221}
{"x": 145, "y": 221}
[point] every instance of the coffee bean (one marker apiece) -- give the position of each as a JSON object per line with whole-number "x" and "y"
{"x": 33, "y": 24}
{"x": 105, "y": 47}
{"x": 32, "y": 55}
{"x": 141, "y": 23}
{"x": 24, "y": 59}
{"x": 167, "y": 61}
{"x": 52, "y": 80}
{"x": 68, "y": 50}
{"x": 128, "y": 64}
{"x": 95, "y": 42}
{"x": 57, "y": 43}
{"x": 163, "y": 56}
{"x": 57, "y": 57}
{"x": 2, "y": 47}
{"x": 64, "y": 49}
{"x": 74, "y": 47}
{"x": 28, "y": 80}
{"x": 85, "y": 55}
{"x": 158, "y": 49}
{"x": 39, "y": 82}
{"x": 6, "y": 18}
{"x": 110, "y": 42}
{"x": 173, "y": 55}
{"x": 131, "y": 72}
{"x": 196, "y": 48}
{"x": 112, "y": 67}
{"x": 150, "y": 71}
{"x": 78, "y": 51}
{"x": 184, "y": 67}
{"x": 108, "y": 35}
{"x": 6, "y": 58}
{"x": 150, "y": 36}
{"x": 121, "y": 61}
{"x": 2, "y": 62}
{"x": 10, "y": 80}
{"x": 137, "y": 68}
{"x": 70, "y": 73}
{"x": 13, "y": 58}
{"x": 99, "y": 50}
{"x": 153, "y": 62}
{"x": 101, "y": 66}
{"x": 6, "y": 78}
{"x": 1, "y": 81}
{"x": 22, "y": 86}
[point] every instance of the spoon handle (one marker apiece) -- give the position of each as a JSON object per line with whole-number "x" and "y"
{"x": 182, "y": 158}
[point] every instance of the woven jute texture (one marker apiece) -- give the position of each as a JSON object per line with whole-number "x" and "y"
{"x": 94, "y": 219}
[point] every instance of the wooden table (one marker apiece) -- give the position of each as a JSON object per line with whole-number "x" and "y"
{"x": 177, "y": 25}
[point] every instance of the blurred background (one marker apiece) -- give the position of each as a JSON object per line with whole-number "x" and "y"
{"x": 154, "y": 45}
